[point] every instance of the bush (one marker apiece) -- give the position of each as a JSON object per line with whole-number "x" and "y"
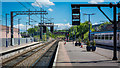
{"x": 93, "y": 43}
{"x": 88, "y": 42}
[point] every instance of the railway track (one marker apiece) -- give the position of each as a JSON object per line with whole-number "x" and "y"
{"x": 16, "y": 60}
{"x": 47, "y": 59}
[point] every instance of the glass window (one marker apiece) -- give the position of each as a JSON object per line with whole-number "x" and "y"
{"x": 95, "y": 36}
{"x": 102, "y": 36}
{"x": 98, "y": 36}
{"x": 111, "y": 37}
{"x": 106, "y": 37}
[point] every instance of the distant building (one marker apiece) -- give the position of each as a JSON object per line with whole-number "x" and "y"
{"x": 96, "y": 27}
{"x": 3, "y": 32}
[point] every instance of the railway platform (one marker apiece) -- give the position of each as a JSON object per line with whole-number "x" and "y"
{"x": 71, "y": 55}
{"x": 7, "y": 52}
{"x": 10, "y": 48}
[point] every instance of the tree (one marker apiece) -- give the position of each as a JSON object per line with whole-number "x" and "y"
{"x": 105, "y": 23}
{"x": 86, "y": 35}
{"x": 31, "y": 30}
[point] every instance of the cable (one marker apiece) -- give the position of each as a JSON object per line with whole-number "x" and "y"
{"x": 22, "y": 5}
{"x": 25, "y": 7}
{"x": 38, "y": 4}
{"x": 33, "y": 20}
{"x": 32, "y": 7}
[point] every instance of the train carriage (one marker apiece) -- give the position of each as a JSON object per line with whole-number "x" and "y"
{"x": 105, "y": 38}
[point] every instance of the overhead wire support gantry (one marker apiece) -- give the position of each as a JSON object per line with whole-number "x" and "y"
{"x": 15, "y": 13}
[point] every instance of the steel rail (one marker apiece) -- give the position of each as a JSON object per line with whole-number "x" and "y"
{"x": 24, "y": 56}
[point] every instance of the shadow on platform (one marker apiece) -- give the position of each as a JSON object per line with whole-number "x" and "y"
{"x": 110, "y": 61}
{"x": 107, "y": 47}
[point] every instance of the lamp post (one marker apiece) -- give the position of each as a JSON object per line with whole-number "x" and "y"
{"x": 26, "y": 32}
{"x": 19, "y": 31}
{"x": 89, "y": 22}
{"x": 75, "y": 33}
{"x": 6, "y": 30}
{"x": 33, "y": 32}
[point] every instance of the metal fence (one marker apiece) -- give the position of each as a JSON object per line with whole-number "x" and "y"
{"x": 16, "y": 41}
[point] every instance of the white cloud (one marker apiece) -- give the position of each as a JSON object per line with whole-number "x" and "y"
{"x": 22, "y": 27}
{"x": 41, "y": 3}
{"x": 95, "y": 23}
{"x": 95, "y": 1}
{"x": 50, "y": 9}
{"x": 63, "y": 26}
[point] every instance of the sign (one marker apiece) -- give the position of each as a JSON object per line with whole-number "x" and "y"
{"x": 75, "y": 15}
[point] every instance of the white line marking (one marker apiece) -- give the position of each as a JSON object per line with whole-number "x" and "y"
{"x": 54, "y": 63}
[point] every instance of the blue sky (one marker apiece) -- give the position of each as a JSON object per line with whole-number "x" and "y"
{"x": 60, "y": 11}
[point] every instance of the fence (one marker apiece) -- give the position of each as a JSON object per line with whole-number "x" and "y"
{"x": 16, "y": 40}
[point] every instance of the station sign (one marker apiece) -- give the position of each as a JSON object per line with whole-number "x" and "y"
{"x": 75, "y": 15}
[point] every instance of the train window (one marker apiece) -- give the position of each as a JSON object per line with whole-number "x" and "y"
{"x": 106, "y": 37}
{"x": 118, "y": 37}
{"x": 102, "y": 36}
{"x": 98, "y": 36}
{"x": 95, "y": 36}
{"x": 111, "y": 37}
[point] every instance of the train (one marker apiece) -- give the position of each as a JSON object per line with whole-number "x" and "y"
{"x": 105, "y": 38}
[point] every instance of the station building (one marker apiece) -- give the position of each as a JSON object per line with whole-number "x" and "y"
{"x": 3, "y": 32}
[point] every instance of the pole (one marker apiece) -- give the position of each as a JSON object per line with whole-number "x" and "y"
{"x": 18, "y": 32}
{"x": 89, "y": 27}
{"x": 115, "y": 32}
{"x": 26, "y": 32}
{"x": 29, "y": 16}
{"x": 6, "y": 31}
{"x": 11, "y": 28}
{"x": 40, "y": 26}
{"x": 75, "y": 34}
{"x": 89, "y": 23}
{"x": 33, "y": 34}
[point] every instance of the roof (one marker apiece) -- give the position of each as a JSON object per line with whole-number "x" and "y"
{"x": 103, "y": 32}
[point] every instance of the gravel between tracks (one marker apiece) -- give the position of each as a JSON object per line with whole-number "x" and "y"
{"x": 29, "y": 61}
{"x": 19, "y": 53}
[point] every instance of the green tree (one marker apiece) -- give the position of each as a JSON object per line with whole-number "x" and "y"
{"x": 105, "y": 23}
{"x": 31, "y": 30}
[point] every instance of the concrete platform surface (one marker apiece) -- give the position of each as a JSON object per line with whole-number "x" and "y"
{"x": 71, "y": 55}
{"x": 10, "y": 48}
